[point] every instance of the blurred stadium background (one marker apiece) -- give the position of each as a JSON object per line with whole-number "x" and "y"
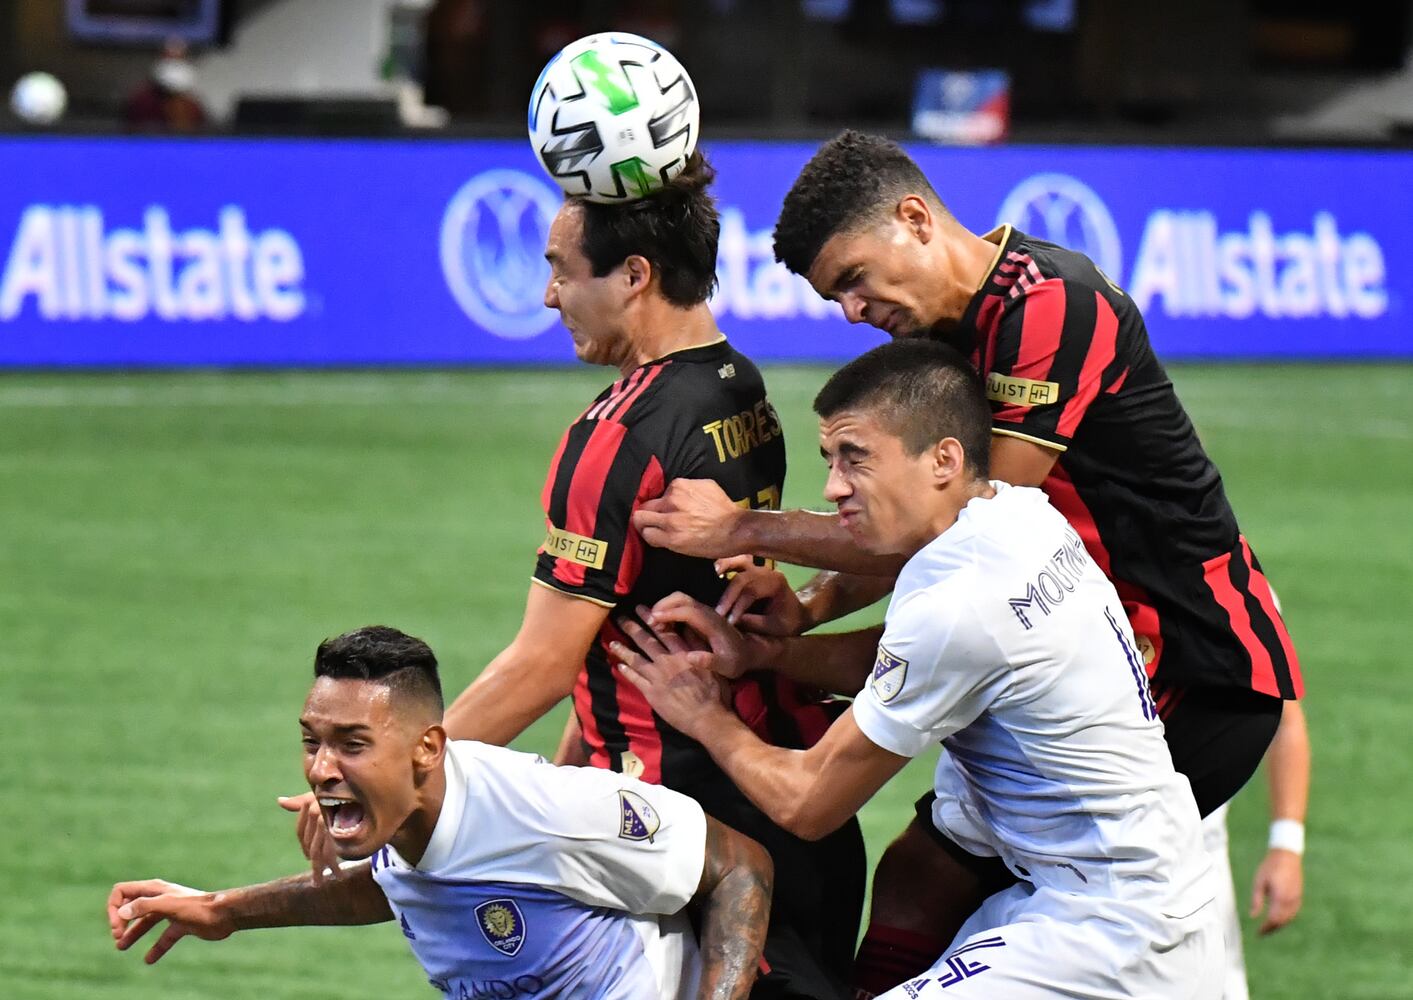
{"x": 273, "y": 365}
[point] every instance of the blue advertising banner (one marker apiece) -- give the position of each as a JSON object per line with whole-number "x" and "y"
{"x": 147, "y": 252}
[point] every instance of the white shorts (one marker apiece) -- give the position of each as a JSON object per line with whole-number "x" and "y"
{"x": 1027, "y": 944}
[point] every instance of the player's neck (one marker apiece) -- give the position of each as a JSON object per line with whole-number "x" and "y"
{"x": 415, "y": 834}
{"x": 667, "y": 329}
{"x": 950, "y": 507}
{"x": 968, "y": 260}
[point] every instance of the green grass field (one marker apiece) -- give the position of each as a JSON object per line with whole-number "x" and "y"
{"x": 174, "y": 546}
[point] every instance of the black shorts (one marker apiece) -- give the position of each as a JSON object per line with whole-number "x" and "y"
{"x": 817, "y": 903}
{"x": 1217, "y": 737}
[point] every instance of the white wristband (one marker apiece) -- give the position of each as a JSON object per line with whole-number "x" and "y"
{"x": 1287, "y": 835}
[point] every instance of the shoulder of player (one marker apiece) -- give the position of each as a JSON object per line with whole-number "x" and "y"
{"x": 933, "y": 590}
{"x": 1041, "y": 268}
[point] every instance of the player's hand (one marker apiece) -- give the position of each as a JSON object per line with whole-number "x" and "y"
{"x": 134, "y": 908}
{"x": 677, "y": 681}
{"x": 734, "y": 653}
{"x": 1279, "y": 882}
{"x": 694, "y": 517}
{"x": 314, "y": 838}
{"x": 734, "y": 564}
{"x": 783, "y": 614}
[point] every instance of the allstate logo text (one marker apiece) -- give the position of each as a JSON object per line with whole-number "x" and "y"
{"x": 492, "y": 250}
{"x": 1196, "y": 270}
{"x": 67, "y": 264}
{"x": 1190, "y": 269}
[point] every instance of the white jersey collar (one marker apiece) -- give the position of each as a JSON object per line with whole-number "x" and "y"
{"x": 444, "y": 834}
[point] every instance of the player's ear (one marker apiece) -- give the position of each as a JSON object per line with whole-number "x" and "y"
{"x": 948, "y": 460}
{"x": 914, "y": 212}
{"x": 638, "y": 271}
{"x": 429, "y": 750}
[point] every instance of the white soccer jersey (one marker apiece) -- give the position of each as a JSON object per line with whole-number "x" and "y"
{"x": 1006, "y": 642}
{"x": 551, "y": 882}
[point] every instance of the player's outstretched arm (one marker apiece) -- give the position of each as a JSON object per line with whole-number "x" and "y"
{"x": 134, "y": 908}
{"x": 733, "y": 912}
{"x": 695, "y": 517}
{"x": 1279, "y": 884}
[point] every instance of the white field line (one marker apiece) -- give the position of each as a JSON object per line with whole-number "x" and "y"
{"x": 432, "y": 390}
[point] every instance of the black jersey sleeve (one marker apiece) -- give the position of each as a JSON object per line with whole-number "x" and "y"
{"x": 1054, "y": 353}
{"x": 601, "y": 474}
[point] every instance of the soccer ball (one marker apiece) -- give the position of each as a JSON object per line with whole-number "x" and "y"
{"x": 613, "y": 117}
{"x": 39, "y": 99}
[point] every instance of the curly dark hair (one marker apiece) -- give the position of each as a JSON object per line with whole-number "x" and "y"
{"x": 923, "y": 391}
{"x": 676, "y": 228}
{"x": 844, "y": 185}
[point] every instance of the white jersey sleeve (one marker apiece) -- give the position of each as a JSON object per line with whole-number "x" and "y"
{"x": 596, "y": 836}
{"x": 620, "y": 842}
{"x": 937, "y": 669}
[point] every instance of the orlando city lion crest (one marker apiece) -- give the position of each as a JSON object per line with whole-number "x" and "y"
{"x": 502, "y": 924}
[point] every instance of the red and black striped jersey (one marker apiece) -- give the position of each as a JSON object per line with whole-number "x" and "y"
{"x": 701, "y": 413}
{"x": 1067, "y": 364}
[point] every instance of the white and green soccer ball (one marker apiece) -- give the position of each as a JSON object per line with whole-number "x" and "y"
{"x": 613, "y": 117}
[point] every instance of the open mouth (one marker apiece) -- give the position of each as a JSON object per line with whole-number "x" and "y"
{"x": 344, "y": 817}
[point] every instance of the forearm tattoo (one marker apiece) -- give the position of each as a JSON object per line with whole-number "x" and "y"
{"x": 734, "y": 910}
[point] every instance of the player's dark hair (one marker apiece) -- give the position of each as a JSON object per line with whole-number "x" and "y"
{"x": 378, "y": 653}
{"x": 849, "y": 184}
{"x": 676, "y": 228}
{"x": 922, "y": 391}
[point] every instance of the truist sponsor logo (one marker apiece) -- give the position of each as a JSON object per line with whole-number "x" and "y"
{"x": 71, "y": 263}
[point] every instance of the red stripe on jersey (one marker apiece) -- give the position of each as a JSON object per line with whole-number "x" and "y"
{"x": 592, "y": 409}
{"x": 749, "y": 705}
{"x": 1167, "y": 702}
{"x": 1101, "y": 354}
{"x": 584, "y": 712}
{"x": 1007, "y": 271}
{"x": 1260, "y": 588}
{"x": 548, "y": 491}
{"x": 810, "y": 717}
{"x": 1138, "y": 606}
{"x": 1041, "y": 325}
{"x": 586, "y": 489}
{"x": 636, "y": 715}
{"x": 618, "y": 410}
{"x": 653, "y": 483}
{"x": 614, "y": 395}
{"x": 1062, "y": 493}
{"x": 987, "y": 321}
{"x": 1118, "y": 382}
{"x": 1217, "y": 573}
